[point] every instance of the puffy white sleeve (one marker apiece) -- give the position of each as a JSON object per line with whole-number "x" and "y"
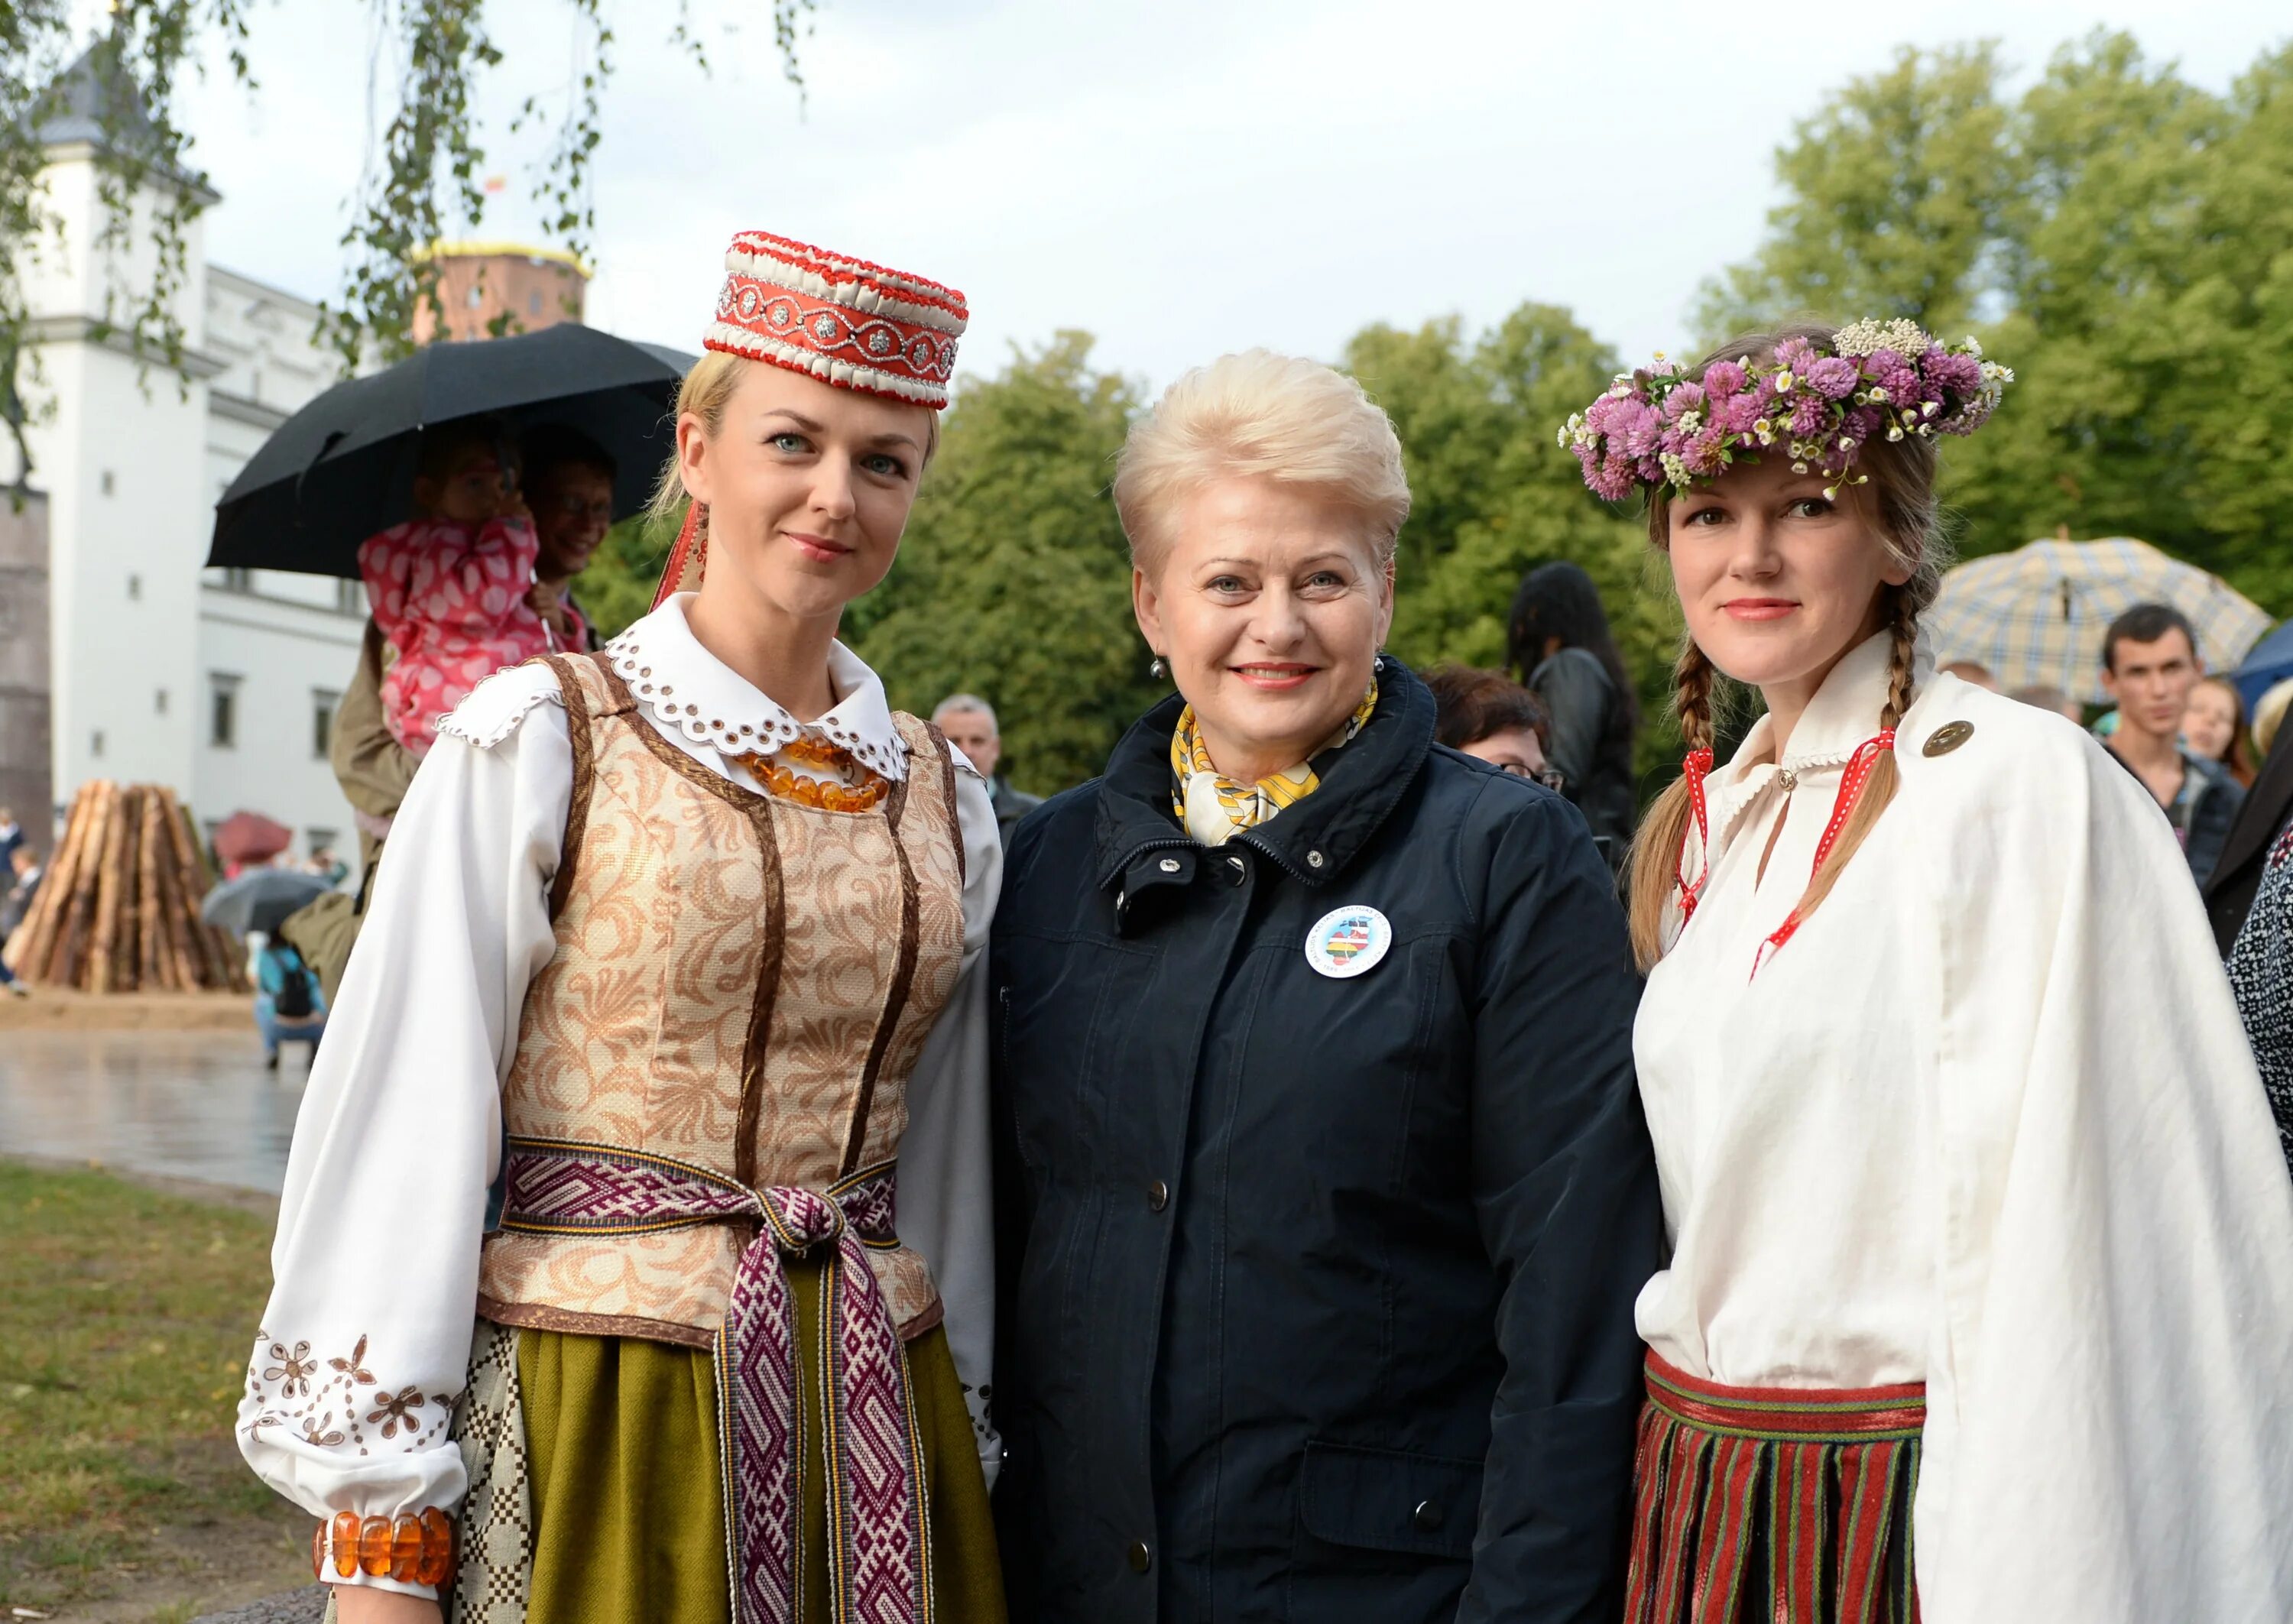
{"x": 945, "y": 1199}
{"x": 2110, "y": 1429}
{"x": 366, "y": 1339}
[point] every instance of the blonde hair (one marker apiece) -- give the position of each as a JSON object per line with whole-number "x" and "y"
{"x": 1268, "y": 417}
{"x": 707, "y": 389}
{"x": 1900, "y": 497}
{"x": 2269, "y": 715}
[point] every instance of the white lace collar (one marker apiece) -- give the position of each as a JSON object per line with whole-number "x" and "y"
{"x": 686, "y": 687}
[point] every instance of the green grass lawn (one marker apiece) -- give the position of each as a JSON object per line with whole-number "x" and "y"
{"x": 126, "y": 1317}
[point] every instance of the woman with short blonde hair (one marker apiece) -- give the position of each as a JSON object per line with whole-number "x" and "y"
{"x": 1324, "y": 1191}
{"x": 1979, "y": 1305}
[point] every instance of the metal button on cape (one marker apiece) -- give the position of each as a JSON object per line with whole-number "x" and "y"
{"x": 1427, "y": 1516}
{"x": 1140, "y": 1558}
{"x": 1158, "y": 1196}
{"x": 1946, "y": 738}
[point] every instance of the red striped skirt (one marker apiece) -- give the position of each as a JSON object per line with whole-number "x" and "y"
{"x": 1785, "y": 1505}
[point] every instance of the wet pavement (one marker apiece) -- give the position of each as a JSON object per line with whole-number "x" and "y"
{"x": 304, "y": 1606}
{"x": 195, "y": 1105}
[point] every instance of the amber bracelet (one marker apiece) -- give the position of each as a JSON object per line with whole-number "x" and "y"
{"x": 414, "y": 1550}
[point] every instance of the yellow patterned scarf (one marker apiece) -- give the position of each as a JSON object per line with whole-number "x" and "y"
{"x": 1213, "y": 809}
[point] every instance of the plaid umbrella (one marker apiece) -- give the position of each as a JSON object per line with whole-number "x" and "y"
{"x": 2035, "y": 616}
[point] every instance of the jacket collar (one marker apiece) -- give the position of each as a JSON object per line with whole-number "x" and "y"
{"x": 685, "y": 687}
{"x": 1314, "y": 840}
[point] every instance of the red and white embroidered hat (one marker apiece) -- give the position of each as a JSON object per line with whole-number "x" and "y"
{"x": 844, "y": 321}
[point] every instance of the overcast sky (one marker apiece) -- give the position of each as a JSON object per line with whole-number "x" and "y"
{"x": 1178, "y": 177}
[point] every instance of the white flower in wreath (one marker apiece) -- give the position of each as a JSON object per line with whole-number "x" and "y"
{"x": 823, "y": 326}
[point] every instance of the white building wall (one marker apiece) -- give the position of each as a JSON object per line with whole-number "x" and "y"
{"x": 133, "y": 462}
{"x": 291, "y": 641}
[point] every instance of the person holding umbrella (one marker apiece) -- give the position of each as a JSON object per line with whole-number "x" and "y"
{"x": 570, "y": 479}
{"x": 289, "y": 1005}
{"x": 593, "y": 1299}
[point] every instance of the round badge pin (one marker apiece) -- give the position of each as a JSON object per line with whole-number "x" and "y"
{"x": 1347, "y": 940}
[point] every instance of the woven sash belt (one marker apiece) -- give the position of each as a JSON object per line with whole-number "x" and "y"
{"x": 877, "y": 1523}
{"x": 1820, "y": 1480}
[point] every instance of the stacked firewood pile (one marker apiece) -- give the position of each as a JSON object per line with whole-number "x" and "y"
{"x": 118, "y": 908}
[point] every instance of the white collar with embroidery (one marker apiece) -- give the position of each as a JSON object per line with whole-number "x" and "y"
{"x": 686, "y": 687}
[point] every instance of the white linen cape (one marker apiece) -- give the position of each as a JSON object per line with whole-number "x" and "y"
{"x": 1988, "y": 1119}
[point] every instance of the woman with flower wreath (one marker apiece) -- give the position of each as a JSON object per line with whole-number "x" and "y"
{"x": 1980, "y": 1304}
{"x": 592, "y": 1301}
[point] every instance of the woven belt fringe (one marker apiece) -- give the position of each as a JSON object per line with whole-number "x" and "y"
{"x": 1822, "y": 1481}
{"x": 877, "y": 1523}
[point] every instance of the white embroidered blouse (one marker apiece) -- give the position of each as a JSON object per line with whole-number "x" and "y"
{"x": 1986, "y": 1121}
{"x": 366, "y": 1335}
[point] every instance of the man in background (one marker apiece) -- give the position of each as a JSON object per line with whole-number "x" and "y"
{"x": 968, "y": 721}
{"x": 2150, "y": 662}
{"x": 568, "y": 488}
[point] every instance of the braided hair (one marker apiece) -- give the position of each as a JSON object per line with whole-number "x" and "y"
{"x": 1908, "y": 518}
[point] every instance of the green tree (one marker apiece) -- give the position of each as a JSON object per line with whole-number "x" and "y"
{"x": 1493, "y": 495}
{"x": 1895, "y": 193}
{"x": 2095, "y": 258}
{"x": 624, "y": 573}
{"x": 2121, "y": 237}
{"x": 427, "y": 175}
{"x": 1014, "y": 579}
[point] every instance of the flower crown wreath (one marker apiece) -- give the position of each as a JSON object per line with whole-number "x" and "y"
{"x": 1655, "y": 427}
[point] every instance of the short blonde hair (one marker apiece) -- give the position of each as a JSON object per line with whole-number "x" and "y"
{"x": 707, "y": 389}
{"x": 1268, "y": 417}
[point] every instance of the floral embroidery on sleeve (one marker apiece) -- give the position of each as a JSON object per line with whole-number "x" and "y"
{"x": 322, "y": 1401}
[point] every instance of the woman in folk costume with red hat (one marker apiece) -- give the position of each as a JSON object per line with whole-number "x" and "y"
{"x": 1980, "y": 1306}
{"x": 592, "y": 1298}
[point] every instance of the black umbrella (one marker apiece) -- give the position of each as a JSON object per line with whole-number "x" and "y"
{"x": 262, "y": 900}
{"x": 343, "y": 467}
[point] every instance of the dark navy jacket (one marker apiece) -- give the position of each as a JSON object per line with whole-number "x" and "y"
{"x": 1317, "y": 1293}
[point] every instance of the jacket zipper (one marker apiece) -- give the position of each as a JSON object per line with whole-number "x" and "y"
{"x": 1273, "y": 857}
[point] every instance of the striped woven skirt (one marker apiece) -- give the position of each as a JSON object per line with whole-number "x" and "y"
{"x": 1785, "y": 1505}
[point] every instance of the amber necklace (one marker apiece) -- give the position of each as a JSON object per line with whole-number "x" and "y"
{"x": 778, "y": 780}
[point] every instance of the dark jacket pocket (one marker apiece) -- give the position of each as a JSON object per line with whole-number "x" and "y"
{"x": 1386, "y": 1500}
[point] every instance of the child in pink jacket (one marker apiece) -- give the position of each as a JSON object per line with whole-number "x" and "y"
{"x": 450, "y": 589}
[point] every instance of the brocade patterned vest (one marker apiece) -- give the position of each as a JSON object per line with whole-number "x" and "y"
{"x": 741, "y": 982}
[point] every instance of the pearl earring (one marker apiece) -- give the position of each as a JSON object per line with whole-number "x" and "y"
{"x": 1154, "y": 668}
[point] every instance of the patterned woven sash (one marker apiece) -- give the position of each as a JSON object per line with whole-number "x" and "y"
{"x": 877, "y": 1524}
{"x": 1821, "y": 1482}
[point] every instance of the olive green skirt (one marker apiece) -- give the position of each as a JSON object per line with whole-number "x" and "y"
{"x": 627, "y": 1499}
